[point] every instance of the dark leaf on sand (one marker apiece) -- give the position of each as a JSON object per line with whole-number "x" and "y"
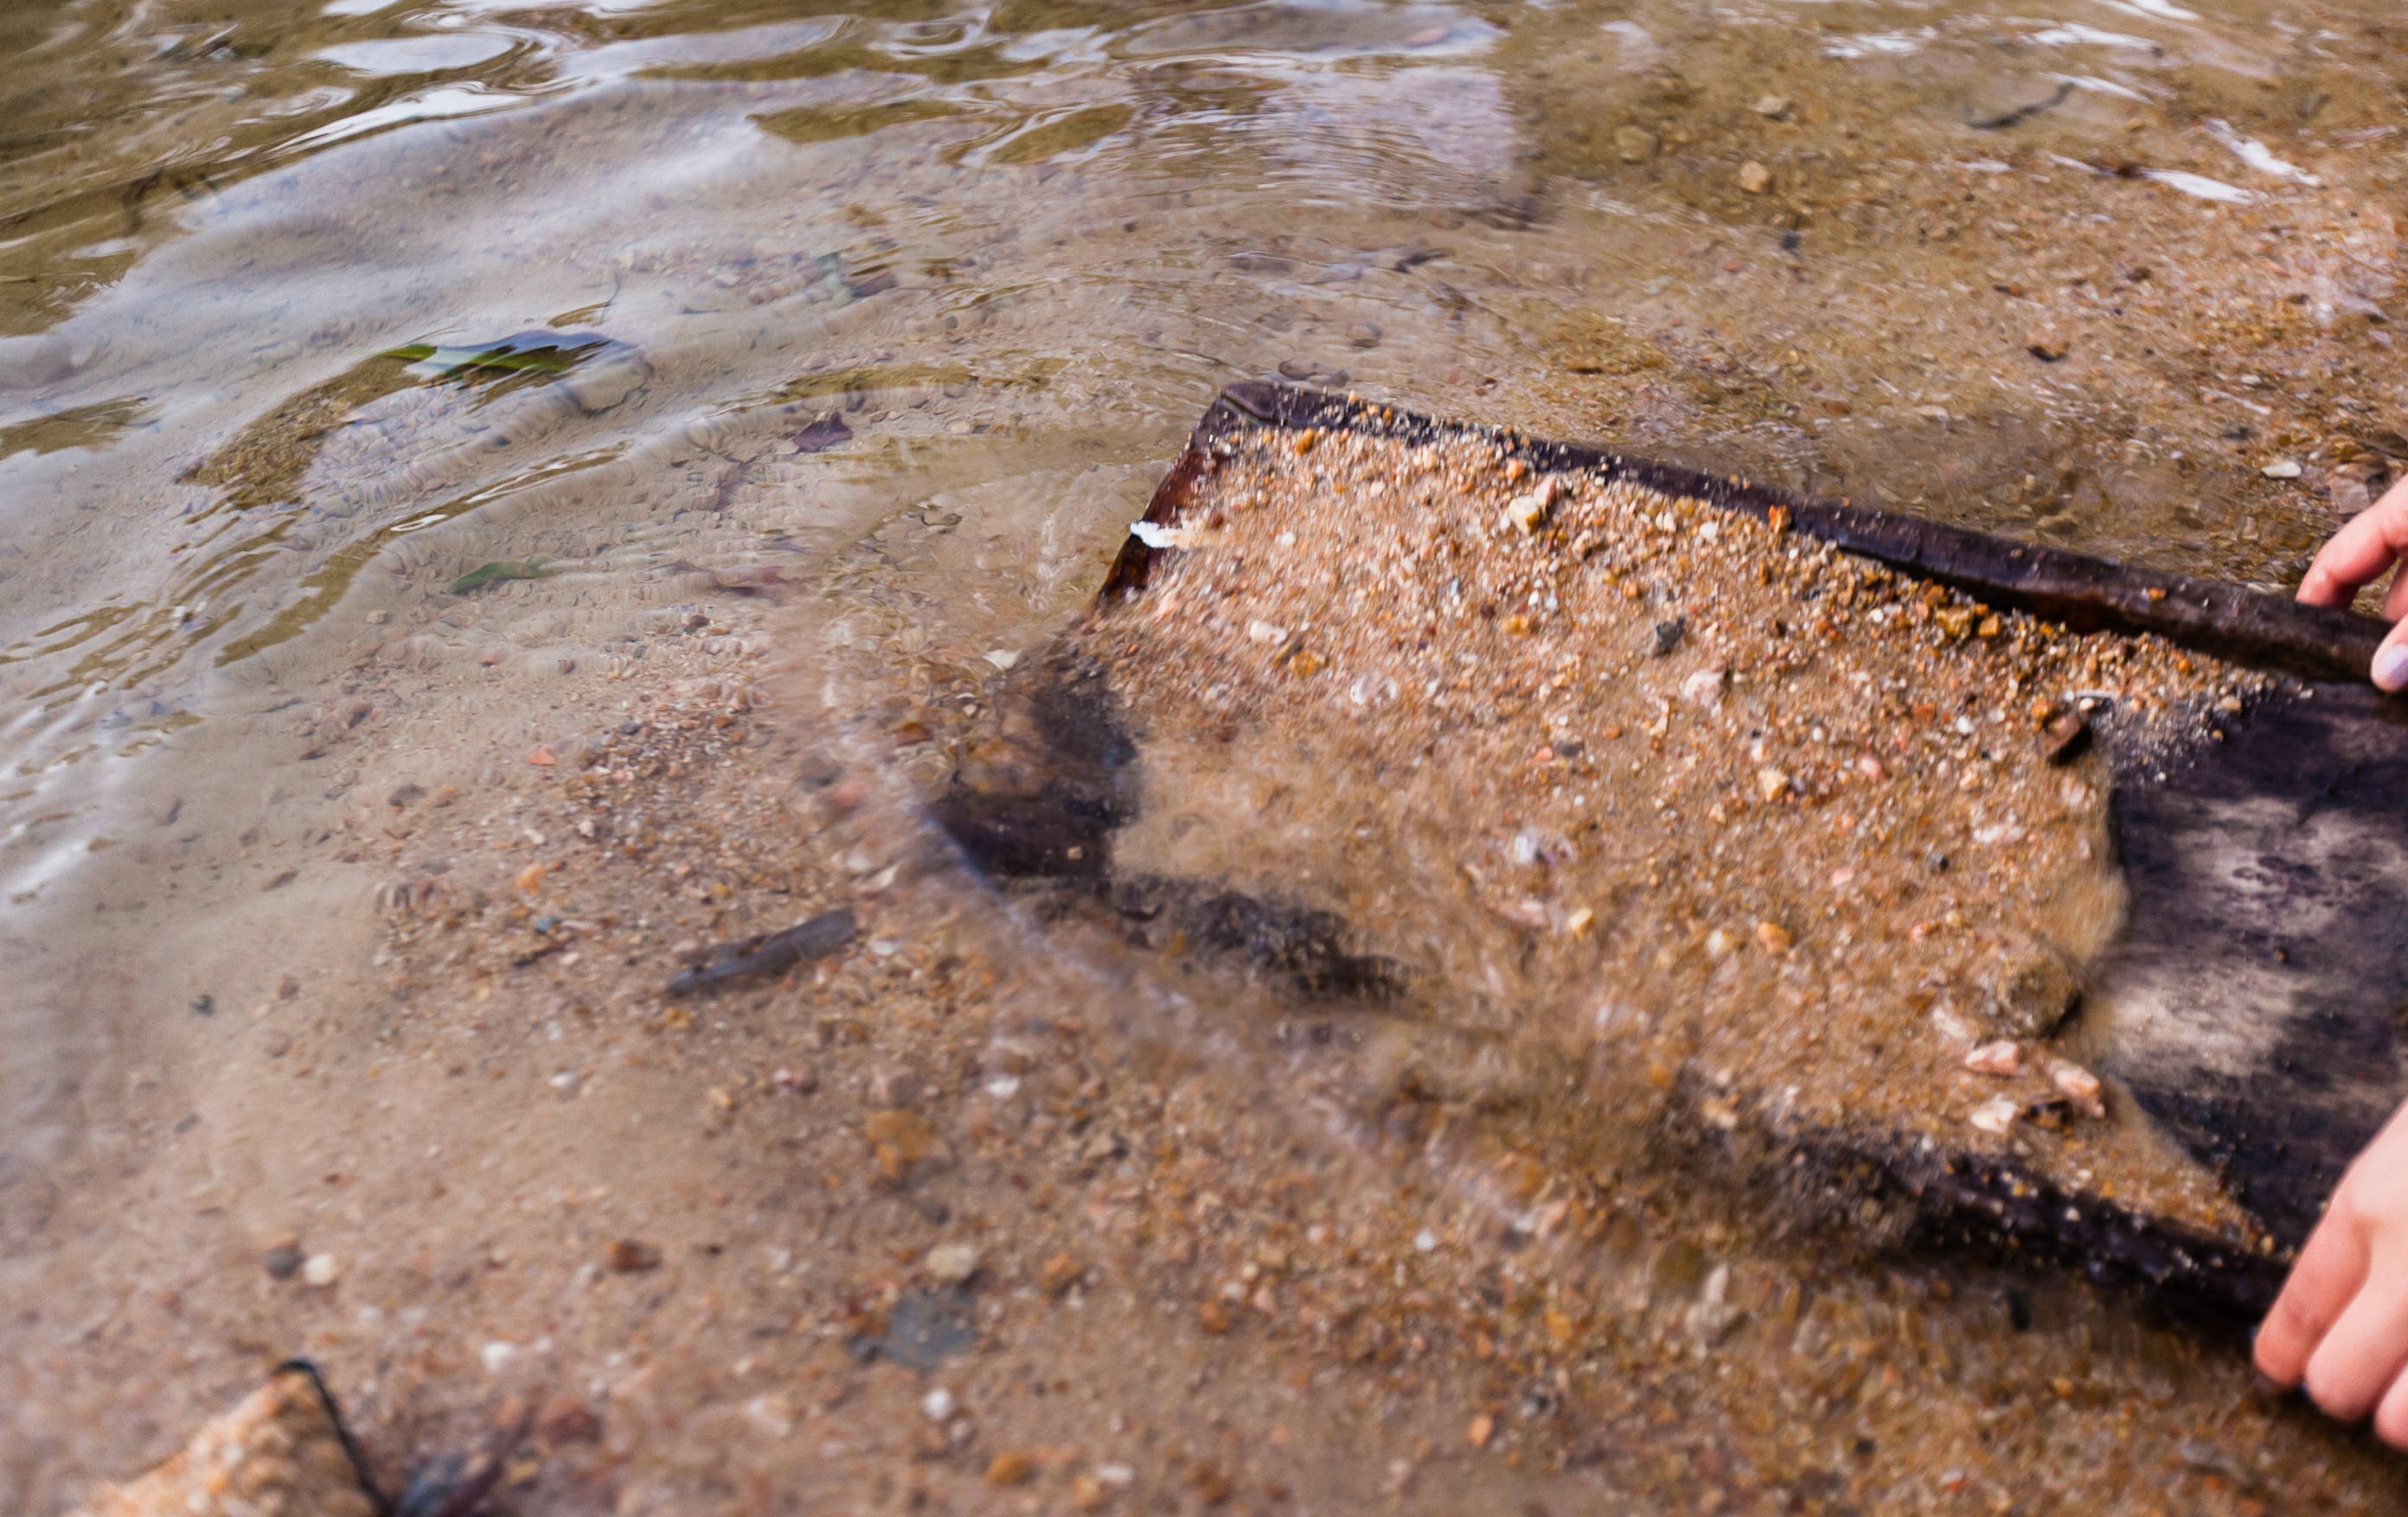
{"x": 763, "y": 958}
{"x": 925, "y": 1329}
{"x": 823, "y": 434}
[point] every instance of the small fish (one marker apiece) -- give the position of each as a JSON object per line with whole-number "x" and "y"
{"x": 487, "y": 576}
{"x": 760, "y": 958}
{"x": 2020, "y": 114}
{"x": 540, "y": 352}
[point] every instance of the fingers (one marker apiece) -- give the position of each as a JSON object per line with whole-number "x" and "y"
{"x": 2329, "y": 1273}
{"x": 2391, "y": 1417}
{"x": 2395, "y": 600}
{"x": 2375, "y": 539}
{"x": 2362, "y": 1355}
{"x": 2389, "y": 669}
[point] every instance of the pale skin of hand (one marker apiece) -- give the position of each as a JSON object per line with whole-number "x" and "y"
{"x": 2340, "y": 1326}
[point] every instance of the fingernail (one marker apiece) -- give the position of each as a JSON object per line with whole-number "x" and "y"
{"x": 2391, "y": 665}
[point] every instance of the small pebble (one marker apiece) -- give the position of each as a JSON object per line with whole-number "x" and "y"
{"x": 1529, "y": 511}
{"x": 893, "y": 1086}
{"x": 952, "y": 1263}
{"x": 1771, "y": 105}
{"x": 2064, "y": 738}
{"x": 1011, "y": 1467}
{"x": 771, "y": 1414}
{"x": 939, "y": 1405}
{"x": 566, "y": 1420}
{"x": 2281, "y": 469}
{"x": 629, "y": 1257}
{"x": 1755, "y": 177}
{"x": 1634, "y": 144}
{"x": 1994, "y": 1115}
{"x": 1060, "y": 1273}
{"x": 283, "y": 1261}
{"x": 2004, "y": 1058}
{"x": 319, "y": 1270}
{"x": 2081, "y": 1087}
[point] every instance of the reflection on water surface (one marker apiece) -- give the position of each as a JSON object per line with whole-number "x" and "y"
{"x": 897, "y": 311}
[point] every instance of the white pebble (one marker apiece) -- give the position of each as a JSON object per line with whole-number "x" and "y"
{"x": 939, "y": 1405}
{"x": 319, "y": 1269}
{"x": 1994, "y": 1115}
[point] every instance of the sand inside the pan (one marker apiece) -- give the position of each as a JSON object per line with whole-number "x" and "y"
{"x": 276, "y": 1455}
{"x": 1648, "y": 797}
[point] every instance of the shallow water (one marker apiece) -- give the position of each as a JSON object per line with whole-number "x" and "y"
{"x": 2085, "y": 273}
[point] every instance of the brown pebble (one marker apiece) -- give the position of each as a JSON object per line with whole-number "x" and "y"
{"x": 2064, "y": 739}
{"x": 629, "y": 1257}
{"x": 1060, "y": 1273}
{"x": 1215, "y": 1317}
{"x": 1087, "y": 1494}
{"x": 1755, "y": 177}
{"x": 542, "y": 758}
{"x": 567, "y": 1419}
{"x": 1484, "y": 1428}
{"x": 1011, "y": 1467}
{"x": 1211, "y": 1486}
{"x": 900, "y": 1140}
{"x": 1772, "y": 938}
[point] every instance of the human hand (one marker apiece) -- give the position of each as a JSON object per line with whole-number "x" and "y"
{"x": 2340, "y": 1324}
{"x": 2375, "y": 539}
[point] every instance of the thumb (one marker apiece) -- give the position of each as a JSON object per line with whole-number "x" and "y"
{"x": 2390, "y": 669}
